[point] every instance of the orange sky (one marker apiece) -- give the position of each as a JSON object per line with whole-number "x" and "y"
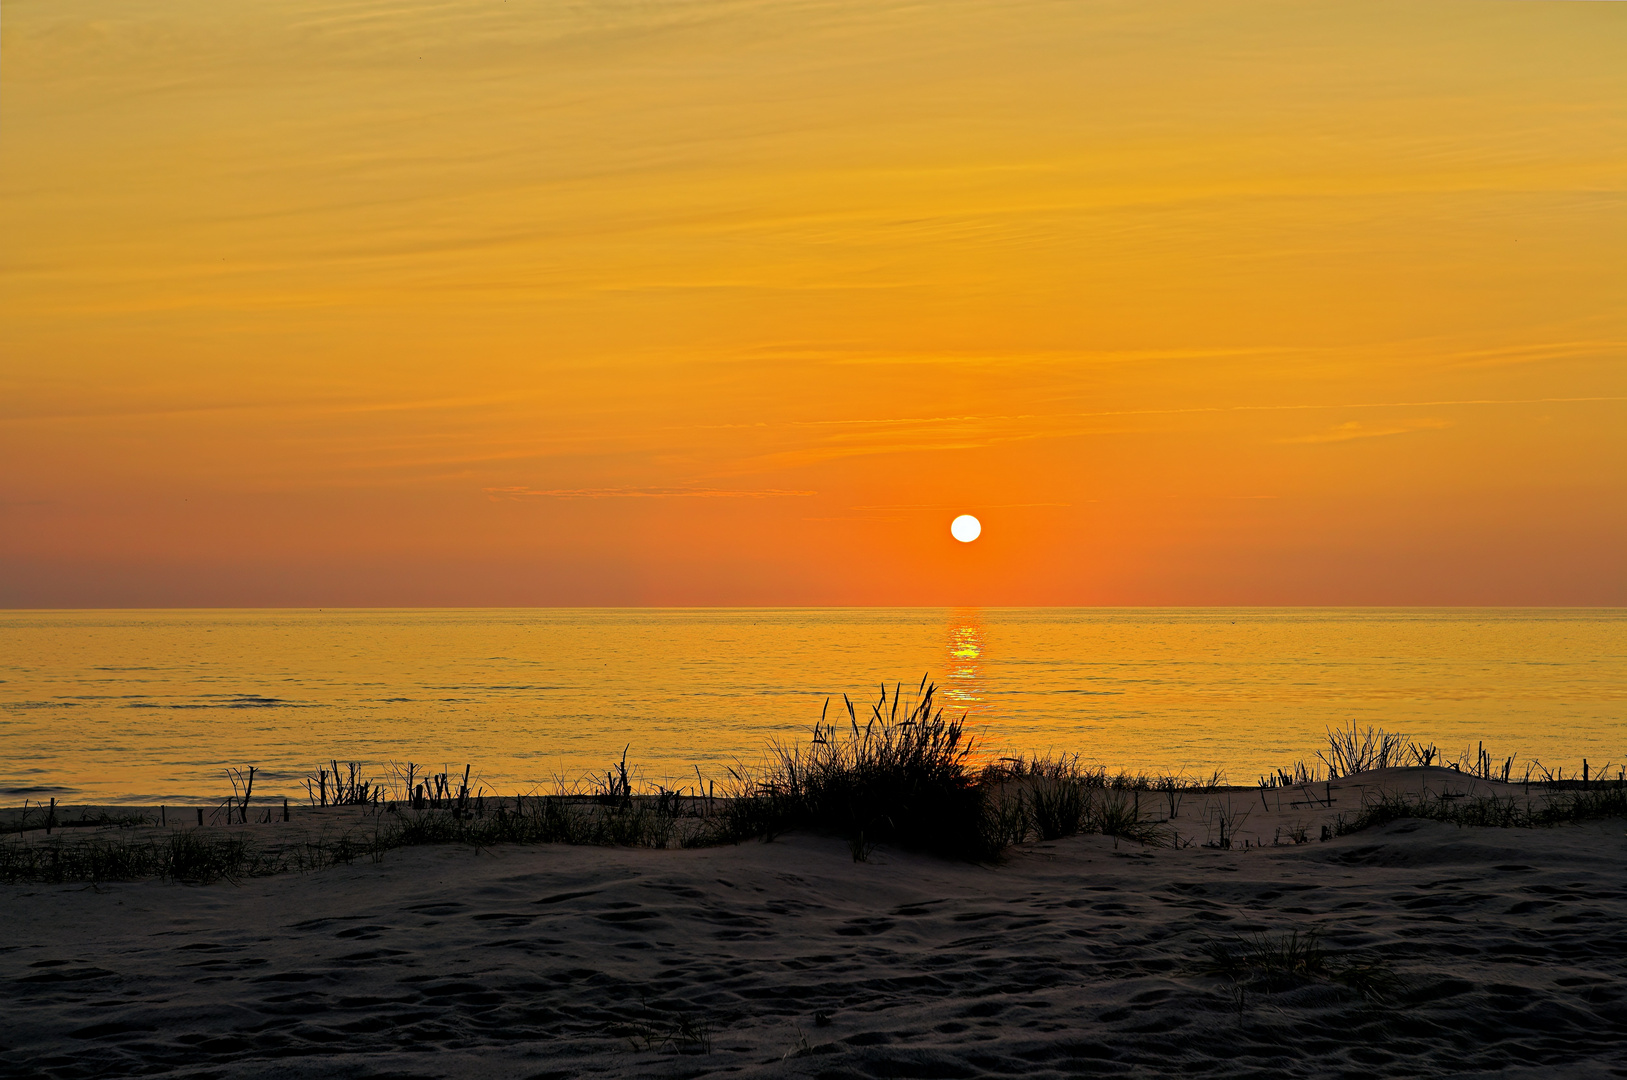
{"x": 735, "y": 301}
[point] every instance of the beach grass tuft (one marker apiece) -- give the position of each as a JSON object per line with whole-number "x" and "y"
{"x": 911, "y": 777}
{"x": 905, "y": 777}
{"x": 1352, "y": 750}
{"x": 679, "y": 1031}
{"x": 1266, "y": 963}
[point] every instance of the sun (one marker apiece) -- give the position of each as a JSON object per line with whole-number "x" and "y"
{"x": 966, "y": 528}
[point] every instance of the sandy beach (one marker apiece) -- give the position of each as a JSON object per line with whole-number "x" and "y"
{"x": 1504, "y": 953}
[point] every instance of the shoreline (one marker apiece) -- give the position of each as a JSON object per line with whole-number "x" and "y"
{"x": 282, "y": 837}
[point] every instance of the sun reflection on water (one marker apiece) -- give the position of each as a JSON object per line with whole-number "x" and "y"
{"x": 963, "y": 688}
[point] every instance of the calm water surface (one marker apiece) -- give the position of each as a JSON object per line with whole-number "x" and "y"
{"x": 151, "y": 706}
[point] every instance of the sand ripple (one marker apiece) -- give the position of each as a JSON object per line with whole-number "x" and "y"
{"x": 789, "y": 959}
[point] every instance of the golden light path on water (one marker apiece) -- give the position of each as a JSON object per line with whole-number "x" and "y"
{"x": 962, "y": 689}
{"x": 146, "y": 706}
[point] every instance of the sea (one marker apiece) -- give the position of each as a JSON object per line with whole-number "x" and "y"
{"x": 146, "y": 707}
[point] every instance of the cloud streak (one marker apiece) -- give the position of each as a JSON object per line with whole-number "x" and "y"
{"x": 958, "y": 506}
{"x": 1354, "y": 429}
{"x": 522, "y": 492}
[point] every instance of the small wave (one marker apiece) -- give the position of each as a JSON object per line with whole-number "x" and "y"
{"x": 232, "y": 701}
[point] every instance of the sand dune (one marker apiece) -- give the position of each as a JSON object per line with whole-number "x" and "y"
{"x": 1076, "y": 957}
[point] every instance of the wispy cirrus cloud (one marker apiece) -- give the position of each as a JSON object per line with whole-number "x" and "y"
{"x": 1354, "y": 429}
{"x": 957, "y": 506}
{"x": 843, "y": 437}
{"x": 522, "y": 492}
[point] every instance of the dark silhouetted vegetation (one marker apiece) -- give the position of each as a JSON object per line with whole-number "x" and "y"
{"x": 1264, "y": 963}
{"x": 907, "y": 777}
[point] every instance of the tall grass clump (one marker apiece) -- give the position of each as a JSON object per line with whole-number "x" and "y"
{"x": 911, "y": 777}
{"x": 1352, "y": 750}
{"x": 904, "y": 777}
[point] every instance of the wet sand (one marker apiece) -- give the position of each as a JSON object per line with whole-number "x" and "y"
{"x": 1081, "y": 956}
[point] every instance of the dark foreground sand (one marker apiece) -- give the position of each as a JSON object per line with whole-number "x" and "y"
{"x": 1073, "y": 958}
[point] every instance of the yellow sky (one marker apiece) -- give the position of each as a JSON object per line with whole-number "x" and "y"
{"x": 702, "y": 302}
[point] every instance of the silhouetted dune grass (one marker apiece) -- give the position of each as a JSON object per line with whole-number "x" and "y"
{"x": 1559, "y": 805}
{"x": 190, "y": 855}
{"x": 905, "y": 777}
{"x": 908, "y": 777}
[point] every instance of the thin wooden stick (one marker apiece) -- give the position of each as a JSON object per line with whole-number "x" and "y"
{"x": 248, "y": 788}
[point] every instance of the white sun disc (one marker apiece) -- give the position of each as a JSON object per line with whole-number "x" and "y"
{"x": 966, "y": 528}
